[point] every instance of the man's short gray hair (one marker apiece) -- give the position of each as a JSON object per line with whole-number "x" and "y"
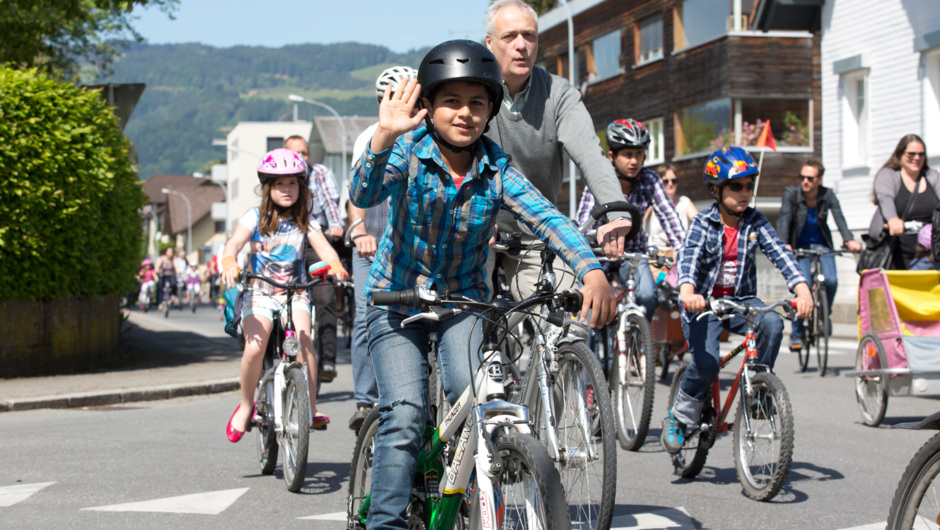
{"x": 499, "y": 4}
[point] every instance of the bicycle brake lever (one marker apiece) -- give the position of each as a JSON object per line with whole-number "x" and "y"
{"x": 434, "y": 314}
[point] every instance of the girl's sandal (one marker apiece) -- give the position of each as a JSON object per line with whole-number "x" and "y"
{"x": 319, "y": 422}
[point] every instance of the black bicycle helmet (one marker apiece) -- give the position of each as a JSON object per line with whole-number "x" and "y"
{"x": 628, "y": 133}
{"x": 462, "y": 60}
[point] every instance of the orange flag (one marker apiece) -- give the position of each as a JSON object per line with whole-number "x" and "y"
{"x": 767, "y": 138}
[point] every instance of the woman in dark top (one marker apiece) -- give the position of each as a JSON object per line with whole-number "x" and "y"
{"x": 893, "y": 187}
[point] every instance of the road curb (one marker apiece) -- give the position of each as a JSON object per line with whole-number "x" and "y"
{"x": 99, "y": 399}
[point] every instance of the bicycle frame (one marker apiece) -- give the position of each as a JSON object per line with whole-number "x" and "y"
{"x": 479, "y": 421}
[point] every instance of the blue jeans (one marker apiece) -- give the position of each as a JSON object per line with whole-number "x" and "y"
{"x": 703, "y": 337}
{"x": 365, "y": 389}
{"x": 645, "y": 287}
{"x": 828, "y": 266}
{"x": 400, "y": 360}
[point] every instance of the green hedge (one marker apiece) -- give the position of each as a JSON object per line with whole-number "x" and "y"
{"x": 69, "y": 198}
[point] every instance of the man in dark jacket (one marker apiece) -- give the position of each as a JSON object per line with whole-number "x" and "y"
{"x": 803, "y": 224}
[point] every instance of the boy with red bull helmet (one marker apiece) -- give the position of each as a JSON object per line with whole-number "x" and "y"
{"x": 717, "y": 259}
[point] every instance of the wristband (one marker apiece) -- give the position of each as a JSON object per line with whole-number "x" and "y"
{"x": 228, "y": 262}
{"x": 357, "y": 236}
{"x": 336, "y": 266}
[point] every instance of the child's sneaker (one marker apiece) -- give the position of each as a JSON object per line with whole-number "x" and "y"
{"x": 796, "y": 345}
{"x": 673, "y": 434}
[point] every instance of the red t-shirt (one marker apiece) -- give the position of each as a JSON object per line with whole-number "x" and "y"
{"x": 728, "y": 269}
{"x": 458, "y": 181}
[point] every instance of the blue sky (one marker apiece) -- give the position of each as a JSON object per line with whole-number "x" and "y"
{"x": 399, "y": 26}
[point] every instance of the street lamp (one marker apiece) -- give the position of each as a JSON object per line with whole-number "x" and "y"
{"x": 572, "y": 185}
{"x": 342, "y": 126}
{"x": 189, "y": 215}
{"x": 199, "y": 175}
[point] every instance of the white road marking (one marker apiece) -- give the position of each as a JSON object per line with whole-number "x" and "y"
{"x": 666, "y": 518}
{"x": 873, "y": 526}
{"x": 335, "y": 516}
{"x": 10, "y": 495}
{"x": 210, "y": 503}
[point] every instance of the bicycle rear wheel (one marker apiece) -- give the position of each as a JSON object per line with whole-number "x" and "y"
{"x": 821, "y": 332}
{"x": 360, "y": 473}
{"x": 763, "y": 452}
{"x": 267, "y": 436}
{"x": 690, "y": 460}
{"x": 633, "y": 395}
{"x": 584, "y": 423}
{"x": 916, "y": 502}
{"x": 296, "y": 437}
{"x": 529, "y": 484}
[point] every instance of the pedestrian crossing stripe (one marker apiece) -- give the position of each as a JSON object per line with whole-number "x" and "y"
{"x": 10, "y": 495}
{"x": 209, "y": 503}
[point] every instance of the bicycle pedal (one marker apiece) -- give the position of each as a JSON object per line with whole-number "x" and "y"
{"x": 321, "y": 427}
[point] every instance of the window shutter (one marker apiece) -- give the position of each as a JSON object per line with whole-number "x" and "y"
{"x": 651, "y": 39}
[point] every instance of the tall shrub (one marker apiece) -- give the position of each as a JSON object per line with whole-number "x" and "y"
{"x": 69, "y": 198}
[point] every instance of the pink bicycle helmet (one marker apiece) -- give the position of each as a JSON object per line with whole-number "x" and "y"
{"x": 281, "y": 163}
{"x": 147, "y": 261}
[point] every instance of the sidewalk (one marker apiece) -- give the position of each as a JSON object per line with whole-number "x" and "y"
{"x": 160, "y": 363}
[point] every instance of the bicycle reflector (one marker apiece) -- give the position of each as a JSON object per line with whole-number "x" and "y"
{"x": 320, "y": 268}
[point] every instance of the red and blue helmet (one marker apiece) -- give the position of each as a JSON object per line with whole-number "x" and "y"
{"x": 727, "y": 164}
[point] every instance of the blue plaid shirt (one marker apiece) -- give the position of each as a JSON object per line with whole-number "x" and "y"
{"x": 324, "y": 206}
{"x": 647, "y": 191}
{"x": 437, "y": 234}
{"x": 699, "y": 259}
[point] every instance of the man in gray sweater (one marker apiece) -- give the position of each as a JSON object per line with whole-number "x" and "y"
{"x": 542, "y": 116}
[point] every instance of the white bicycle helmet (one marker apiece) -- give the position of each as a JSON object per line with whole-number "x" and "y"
{"x": 393, "y": 77}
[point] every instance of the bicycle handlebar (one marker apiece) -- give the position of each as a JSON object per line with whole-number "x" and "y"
{"x": 617, "y": 207}
{"x": 808, "y": 252}
{"x": 244, "y": 276}
{"x": 722, "y": 308}
{"x": 347, "y": 237}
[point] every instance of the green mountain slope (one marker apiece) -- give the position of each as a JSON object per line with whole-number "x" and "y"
{"x": 196, "y": 93}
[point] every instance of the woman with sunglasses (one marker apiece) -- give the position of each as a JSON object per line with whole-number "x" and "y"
{"x": 803, "y": 223}
{"x": 657, "y": 236}
{"x": 717, "y": 259}
{"x": 904, "y": 179}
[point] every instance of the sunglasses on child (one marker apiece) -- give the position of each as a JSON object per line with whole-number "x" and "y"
{"x": 738, "y": 186}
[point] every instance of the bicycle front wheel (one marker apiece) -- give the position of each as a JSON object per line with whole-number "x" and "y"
{"x": 916, "y": 502}
{"x": 633, "y": 392}
{"x": 296, "y": 437}
{"x": 871, "y": 391}
{"x": 763, "y": 448}
{"x": 584, "y": 422}
{"x": 360, "y": 473}
{"x": 529, "y": 485}
{"x": 821, "y": 334}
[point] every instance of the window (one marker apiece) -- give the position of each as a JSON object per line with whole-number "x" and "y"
{"x": 855, "y": 119}
{"x": 931, "y": 96}
{"x": 698, "y": 127}
{"x": 604, "y": 56}
{"x": 649, "y": 39}
{"x": 698, "y": 21}
{"x": 657, "y": 146}
{"x": 234, "y": 189}
{"x": 789, "y": 120}
{"x": 275, "y": 142}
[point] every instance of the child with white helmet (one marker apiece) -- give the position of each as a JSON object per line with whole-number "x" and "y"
{"x": 275, "y": 232}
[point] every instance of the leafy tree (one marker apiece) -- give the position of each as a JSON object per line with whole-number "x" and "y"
{"x": 56, "y": 35}
{"x": 542, "y": 6}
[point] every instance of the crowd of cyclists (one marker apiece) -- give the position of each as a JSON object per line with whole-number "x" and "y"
{"x": 173, "y": 275}
{"x": 471, "y": 143}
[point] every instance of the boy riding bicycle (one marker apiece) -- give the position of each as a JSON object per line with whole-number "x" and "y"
{"x": 446, "y": 184}
{"x": 717, "y": 259}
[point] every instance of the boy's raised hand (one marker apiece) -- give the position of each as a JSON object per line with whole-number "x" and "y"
{"x": 396, "y": 115}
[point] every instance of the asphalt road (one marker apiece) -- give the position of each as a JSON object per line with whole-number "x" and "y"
{"x": 168, "y": 464}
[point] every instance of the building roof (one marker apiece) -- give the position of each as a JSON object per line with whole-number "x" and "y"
{"x": 200, "y": 192}
{"x": 330, "y": 132}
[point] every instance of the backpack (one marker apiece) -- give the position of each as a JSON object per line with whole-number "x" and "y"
{"x": 234, "y": 305}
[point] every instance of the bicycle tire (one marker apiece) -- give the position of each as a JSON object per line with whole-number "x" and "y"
{"x": 634, "y": 400}
{"x": 690, "y": 460}
{"x": 295, "y": 440}
{"x": 822, "y": 333}
{"x": 360, "y": 471}
{"x": 267, "y": 436}
{"x": 808, "y": 339}
{"x": 762, "y": 456}
{"x": 526, "y": 465}
{"x": 911, "y": 494}
{"x": 871, "y": 391}
{"x": 590, "y": 484}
